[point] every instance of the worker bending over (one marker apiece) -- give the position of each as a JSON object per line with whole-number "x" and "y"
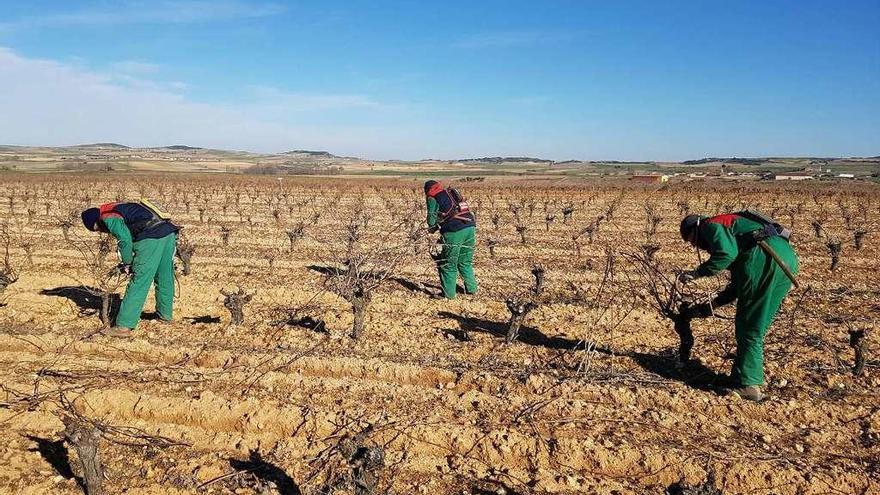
{"x": 762, "y": 266}
{"x": 146, "y": 241}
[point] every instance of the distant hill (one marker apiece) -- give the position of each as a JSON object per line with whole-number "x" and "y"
{"x": 181, "y": 157}
{"x": 103, "y": 146}
{"x": 316, "y": 154}
{"x": 733, "y": 161}
{"x": 616, "y": 162}
{"x": 182, "y": 147}
{"x": 504, "y": 159}
{"x": 293, "y": 168}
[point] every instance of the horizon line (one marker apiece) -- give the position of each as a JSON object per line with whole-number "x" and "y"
{"x": 304, "y": 150}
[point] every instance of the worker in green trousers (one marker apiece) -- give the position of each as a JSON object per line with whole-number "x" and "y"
{"x": 450, "y": 214}
{"x": 146, "y": 243}
{"x": 758, "y": 283}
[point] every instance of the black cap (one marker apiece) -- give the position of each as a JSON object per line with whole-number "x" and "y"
{"x": 688, "y": 225}
{"x": 429, "y": 184}
{"x": 90, "y": 218}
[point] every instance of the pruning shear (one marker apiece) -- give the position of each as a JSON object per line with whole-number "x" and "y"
{"x": 121, "y": 269}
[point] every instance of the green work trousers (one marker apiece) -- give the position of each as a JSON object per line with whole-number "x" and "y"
{"x": 153, "y": 263}
{"x": 761, "y": 286}
{"x": 457, "y": 257}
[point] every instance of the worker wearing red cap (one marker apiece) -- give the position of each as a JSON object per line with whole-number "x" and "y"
{"x": 146, "y": 242}
{"x": 758, "y": 282}
{"x": 450, "y": 214}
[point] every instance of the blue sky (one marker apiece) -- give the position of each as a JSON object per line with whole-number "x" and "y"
{"x": 626, "y": 80}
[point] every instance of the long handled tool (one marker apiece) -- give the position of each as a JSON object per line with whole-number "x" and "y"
{"x": 770, "y": 252}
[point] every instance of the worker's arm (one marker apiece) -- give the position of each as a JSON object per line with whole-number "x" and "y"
{"x": 433, "y": 213}
{"x": 726, "y": 296}
{"x": 117, "y": 228}
{"x": 722, "y": 247}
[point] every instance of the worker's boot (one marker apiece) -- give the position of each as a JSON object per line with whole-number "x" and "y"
{"x": 751, "y": 392}
{"x": 117, "y": 332}
{"x": 726, "y": 382}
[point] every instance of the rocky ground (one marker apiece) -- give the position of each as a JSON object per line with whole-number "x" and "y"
{"x": 430, "y": 399}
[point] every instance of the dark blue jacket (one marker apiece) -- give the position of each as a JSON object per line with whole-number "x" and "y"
{"x": 443, "y": 203}
{"x": 141, "y": 222}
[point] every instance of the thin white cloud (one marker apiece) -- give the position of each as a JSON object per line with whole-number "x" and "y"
{"x": 167, "y": 11}
{"x": 512, "y": 39}
{"x": 57, "y": 103}
{"x": 178, "y": 85}
{"x": 141, "y": 83}
{"x": 50, "y": 102}
{"x": 139, "y": 74}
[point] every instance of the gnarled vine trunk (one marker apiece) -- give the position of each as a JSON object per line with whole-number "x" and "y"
{"x": 235, "y": 303}
{"x": 360, "y": 302}
{"x": 85, "y": 439}
{"x": 520, "y": 308}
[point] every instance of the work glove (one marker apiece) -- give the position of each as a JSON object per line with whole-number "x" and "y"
{"x": 690, "y": 310}
{"x": 435, "y": 250}
{"x": 124, "y": 269}
{"x": 687, "y": 276}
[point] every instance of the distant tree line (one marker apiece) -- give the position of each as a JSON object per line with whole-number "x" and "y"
{"x": 734, "y": 160}
{"x": 504, "y": 159}
{"x": 293, "y": 169}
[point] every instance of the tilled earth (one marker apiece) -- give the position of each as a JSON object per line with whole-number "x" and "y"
{"x": 430, "y": 399}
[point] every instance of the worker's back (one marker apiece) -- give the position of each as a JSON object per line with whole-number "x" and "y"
{"x": 140, "y": 220}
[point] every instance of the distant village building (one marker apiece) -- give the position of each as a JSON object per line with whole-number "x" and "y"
{"x": 794, "y": 176}
{"x": 650, "y": 178}
{"x": 846, "y": 176}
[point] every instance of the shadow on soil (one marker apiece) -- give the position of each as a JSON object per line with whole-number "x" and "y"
{"x": 268, "y": 472}
{"x": 86, "y": 298}
{"x": 693, "y": 374}
{"x": 527, "y": 335}
{"x": 55, "y": 453}
{"x": 205, "y": 319}
{"x": 706, "y": 488}
{"x": 431, "y": 290}
{"x": 309, "y": 323}
{"x": 323, "y": 270}
{"x": 151, "y": 316}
